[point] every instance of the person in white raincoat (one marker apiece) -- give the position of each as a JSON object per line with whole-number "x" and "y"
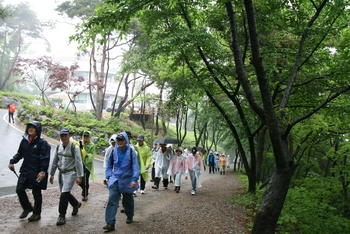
{"x": 70, "y": 172}
{"x": 112, "y": 142}
{"x": 161, "y": 165}
{"x": 194, "y": 167}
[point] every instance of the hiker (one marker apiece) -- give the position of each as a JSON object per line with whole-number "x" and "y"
{"x": 35, "y": 152}
{"x": 222, "y": 164}
{"x": 68, "y": 161}
{"x": 88, "y": 164}
{"x": 112, "y": 142}
{"x": 122, "y": 173}
{"x": 194, "y": 167}
{"x": 162, "y": 160}
{"x": 177, "y": 168}
{"x": 12, "y": 109}
{"x": 145, "y": 155}
{"x": 154, "y": 150}
{"x": 211, "y": 162}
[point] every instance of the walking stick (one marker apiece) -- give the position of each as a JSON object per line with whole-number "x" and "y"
{"x": 15, "y": 173}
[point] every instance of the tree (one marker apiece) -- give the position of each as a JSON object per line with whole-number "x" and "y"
{"x": 22, "y": 24}
{"x": 38, "y": 72}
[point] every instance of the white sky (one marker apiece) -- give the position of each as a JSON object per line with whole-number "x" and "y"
{"x": 61, "y": 50}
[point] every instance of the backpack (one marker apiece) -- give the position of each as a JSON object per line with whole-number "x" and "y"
{"x": 12, "y": 108}
{"x": 82, "y": 150}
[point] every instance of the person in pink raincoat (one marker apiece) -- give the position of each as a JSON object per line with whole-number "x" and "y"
{"x": 177, "y": 168}
{"x": 194, "y": 167}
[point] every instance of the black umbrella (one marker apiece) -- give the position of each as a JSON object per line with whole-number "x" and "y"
{"x": 201, "y": 149}
{"x": 167, "y": 140}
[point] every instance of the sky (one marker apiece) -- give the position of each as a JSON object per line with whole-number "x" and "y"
{"x": 61, "y": 50}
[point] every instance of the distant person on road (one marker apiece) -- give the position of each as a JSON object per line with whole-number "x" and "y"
{"x": 12, "y": 110}
{"x": 194, "y": 167}
{"x": 88, "y": 163}
{"x": 222, "y": 164}
{"x": 177, "y": 168}
{"x": 122, "y": 173}
{"x": 162, "y": 161}
{"x": 35, "y": 152}
{"x": 145, "y": 155}
{"x": 68, "y": 161}
{"x": 211, "y": 162}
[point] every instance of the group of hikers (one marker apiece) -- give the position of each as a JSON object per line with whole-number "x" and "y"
{"x": 126, "y": 170}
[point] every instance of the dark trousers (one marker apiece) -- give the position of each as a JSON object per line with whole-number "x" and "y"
{"x": 23, "y": 198}
{"x": 11, "y": 117}
{"x": 153, "y": 172}
{"x": 211, "y": 167}
{"x": 85, "y": 183}
{"x": 142, "y": 183}
{"x": 64, "y": 199}
{"x": 157, "y": 181}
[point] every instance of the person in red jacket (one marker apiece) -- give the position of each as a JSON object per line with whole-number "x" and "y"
{"x": 12, "y": 109}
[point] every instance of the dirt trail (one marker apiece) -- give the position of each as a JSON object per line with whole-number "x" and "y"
{"x": 157, "y": 211}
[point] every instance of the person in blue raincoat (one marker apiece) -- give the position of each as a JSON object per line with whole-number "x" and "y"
{"x": 211, "y": 162}
{"x": 122, "y": 173}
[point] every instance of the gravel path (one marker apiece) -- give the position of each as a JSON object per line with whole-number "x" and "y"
{"x": 157, "y": 211}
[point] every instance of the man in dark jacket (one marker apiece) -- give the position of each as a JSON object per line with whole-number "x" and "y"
{"x": 35, "y": 152}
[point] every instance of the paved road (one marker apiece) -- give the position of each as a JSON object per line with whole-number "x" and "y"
{"x": 11, "y": 135}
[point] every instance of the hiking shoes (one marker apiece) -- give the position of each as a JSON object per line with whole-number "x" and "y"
{"x": 109, "y": 227}
{"x": 34, "y": 217}
{"x": 75, "y": 209}
{"x": 129, "y": 220}
{"x": 85, "y": 198}
{"x": 60, "y": 221}
{"x": 25, "y": 213}
{"x": 155, "y": 187}
{"x": 193, "y": 192}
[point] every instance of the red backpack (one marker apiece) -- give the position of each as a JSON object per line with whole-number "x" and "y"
{"x": 12, "y": 108}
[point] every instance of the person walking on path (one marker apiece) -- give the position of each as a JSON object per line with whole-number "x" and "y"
{"x": 88, "y": 163}
{"x": 194, "y": 166}
{"x": 211, "y": 161}
{"x": 177, "y": 168}
{"x": 162, "y": 160}
{"x": 12, "y": 109}
{"x": 68, "y": 161}
{"x": 35, "y": 152}
{"x": 154, "y": 151}
{"x": 222, "y": 164}
{"x": 112, "y": 143}
{"x": 145, "y": 155}
{"x": 122, "y": 173}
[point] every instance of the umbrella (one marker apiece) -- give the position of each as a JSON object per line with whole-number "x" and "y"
{"x": 60, "y": 95}
{"x": 201, "y": 149}
{"x": 167, "y": 140}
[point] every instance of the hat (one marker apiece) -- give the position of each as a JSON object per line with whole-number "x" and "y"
{"x": 86, "y": 134}
{"x": 140, "y": 137}
{"x": 194, "y": 150}
{"x": 120, "y": 136}
{"x": 179, "y": 149}
{"x": 169, "y": 145}
{"x": 64, "y": 131}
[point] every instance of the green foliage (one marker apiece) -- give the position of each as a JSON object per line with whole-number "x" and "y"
{"x": 101, "y": 140}
{"x": 313, "y": 206}
{"x": 46, "y": 110}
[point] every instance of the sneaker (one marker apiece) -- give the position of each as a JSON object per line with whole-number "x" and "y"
{"x": 85, "y": 198}
{"x": 76, "y": 208}
{"x": 34, "y": 217}
{"x": 134, "y": 194}
{"x": 60, "y": 221}
{"x": 142, "y": 192}
{"x": 151, "y": 180}
{"x": 193, "y": 192}
{"x": 165, "y": 188}
{"x": 171, "y": 181}
{"x": 122, "y": 210}
{"x": 25, "y": 213}
{"x": 129, "y": 220}
{"x": 109, "y": 227}
{"x": 155, "y": 187}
